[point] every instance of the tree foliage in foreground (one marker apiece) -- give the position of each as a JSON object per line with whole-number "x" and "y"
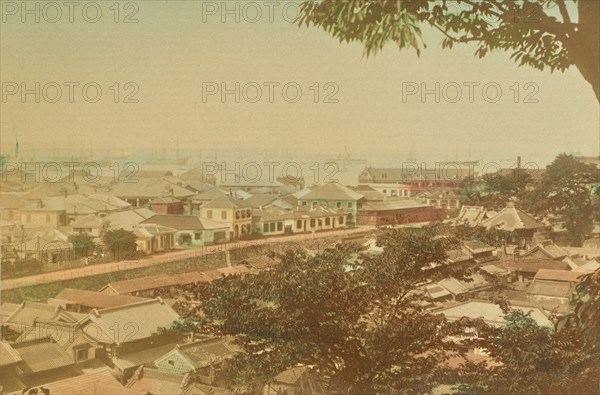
{"x": 568, "y": 190}
{"x": 360, "y": 320}
{"x": 554, "y": 34}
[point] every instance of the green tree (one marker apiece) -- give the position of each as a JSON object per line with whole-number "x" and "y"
{"x": 568, "y": 190}
{"x": 83, "y": 244}
{"x": 531, "y": 359}
{"x": 554, "y": 34}
{"x": 358, "y": 318}
{"x": 121, "y": 243}
{"x": 493, "y": 191}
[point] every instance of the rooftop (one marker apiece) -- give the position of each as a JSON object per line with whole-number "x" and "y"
{"x": 560, "y": 275}
{"x": 95, "y": 299}
{"x": 328, "y": 191}
{"x": 39, "y": 355}
{"x": 136, "y": 321}
{"x": 185, "y": 222}
{"x": 510, "y": 218}
{"x": 491, "y": 313}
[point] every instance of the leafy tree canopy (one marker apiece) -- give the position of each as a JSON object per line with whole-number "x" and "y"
{"x": 554, "y": 34}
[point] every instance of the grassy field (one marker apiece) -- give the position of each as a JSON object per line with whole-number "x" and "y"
{"x": 42, "y": 292}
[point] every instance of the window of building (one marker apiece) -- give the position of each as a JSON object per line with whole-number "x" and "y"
{"x": 341, "y": 220}
{"x": 223, "y": 214}
{"x": 299, "y": 224}
{"x": 312, "y": 223}
{"x": 265, "y": 228}
{"x": 338, "y": 204}
{"x": 394, "y": 192}
{"x": 81, "y": 355}
{"x": 349, "y": 204}
{"x": 327, "y": 221}
{"x": 171, "y": 362}
{"x": 272, "y": 226}
{"x": 304, "y": 203}
{"x": 279, "y": 226}
{"x": 197, "y": 236}
{"x": 209, "y": 214}
{"x": 320, "y": 223}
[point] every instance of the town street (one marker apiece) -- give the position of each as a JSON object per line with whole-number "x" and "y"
{"x": 174, "y": 256}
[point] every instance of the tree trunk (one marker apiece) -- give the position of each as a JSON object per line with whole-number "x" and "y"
{"x": 584, "y": 46}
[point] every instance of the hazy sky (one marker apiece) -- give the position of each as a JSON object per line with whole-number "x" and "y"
{"x": 176, "y": 46}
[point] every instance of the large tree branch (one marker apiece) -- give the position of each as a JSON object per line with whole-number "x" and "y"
{"x": 563, "y": 11}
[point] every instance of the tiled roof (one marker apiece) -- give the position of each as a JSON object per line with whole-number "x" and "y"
{"x": 261, "y": 199}
{"x": 149, "y": 188}
{"x": 272, "y": 213}
{"x": 511, "y": 218}
{"x": 329, "y": 191}
{"x": 44, "y": 206}
{"x": 550, "y": 288}
{"x": 8, "y": 356}
{"x": 291, "y": 376}
{"x": 136, "y": 321}
{"x": 110, "y": 199}
{"x": 152, "y": 229}
{"x": 164, "y": 200}
{"x": 156, "y": 281}
{"x": 303, "y": 212}
{"x": 89, "y": 221}
{"x": 199, "y": 186}
{"x": 100, "y": 382}
{"x": 532, "y": 265}
{"x": 560, "y": 275}
{"x": 490, "y": 312}
{"x": 65, "y": 335}
{"x": 143, "y": 357}
{"x": 548, "y": 249}
{"x": 168, "y": 280}
{"x": 372, "y": 196}
{"x": 226, "y": 201}
{"x": 435, "y": 291}
{"x": 155, "y": 382}
{"x": 6, "y": 309}
{"x": 471, "y": 215}
{"x": 29, "y": 313}
{"x": 39, "y": 356}
{"x": 129, "y": 218}
{"x": 95, "y": 299}
{"x": 493, "y": 269}
{"x": 185, "y": 222}
{"x": 209, "y": 194}
{"x": 204, "y": 352}
{"x": 477, "y": 247}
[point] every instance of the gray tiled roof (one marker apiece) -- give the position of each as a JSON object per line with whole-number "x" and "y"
{"x": 135, "y": 321}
